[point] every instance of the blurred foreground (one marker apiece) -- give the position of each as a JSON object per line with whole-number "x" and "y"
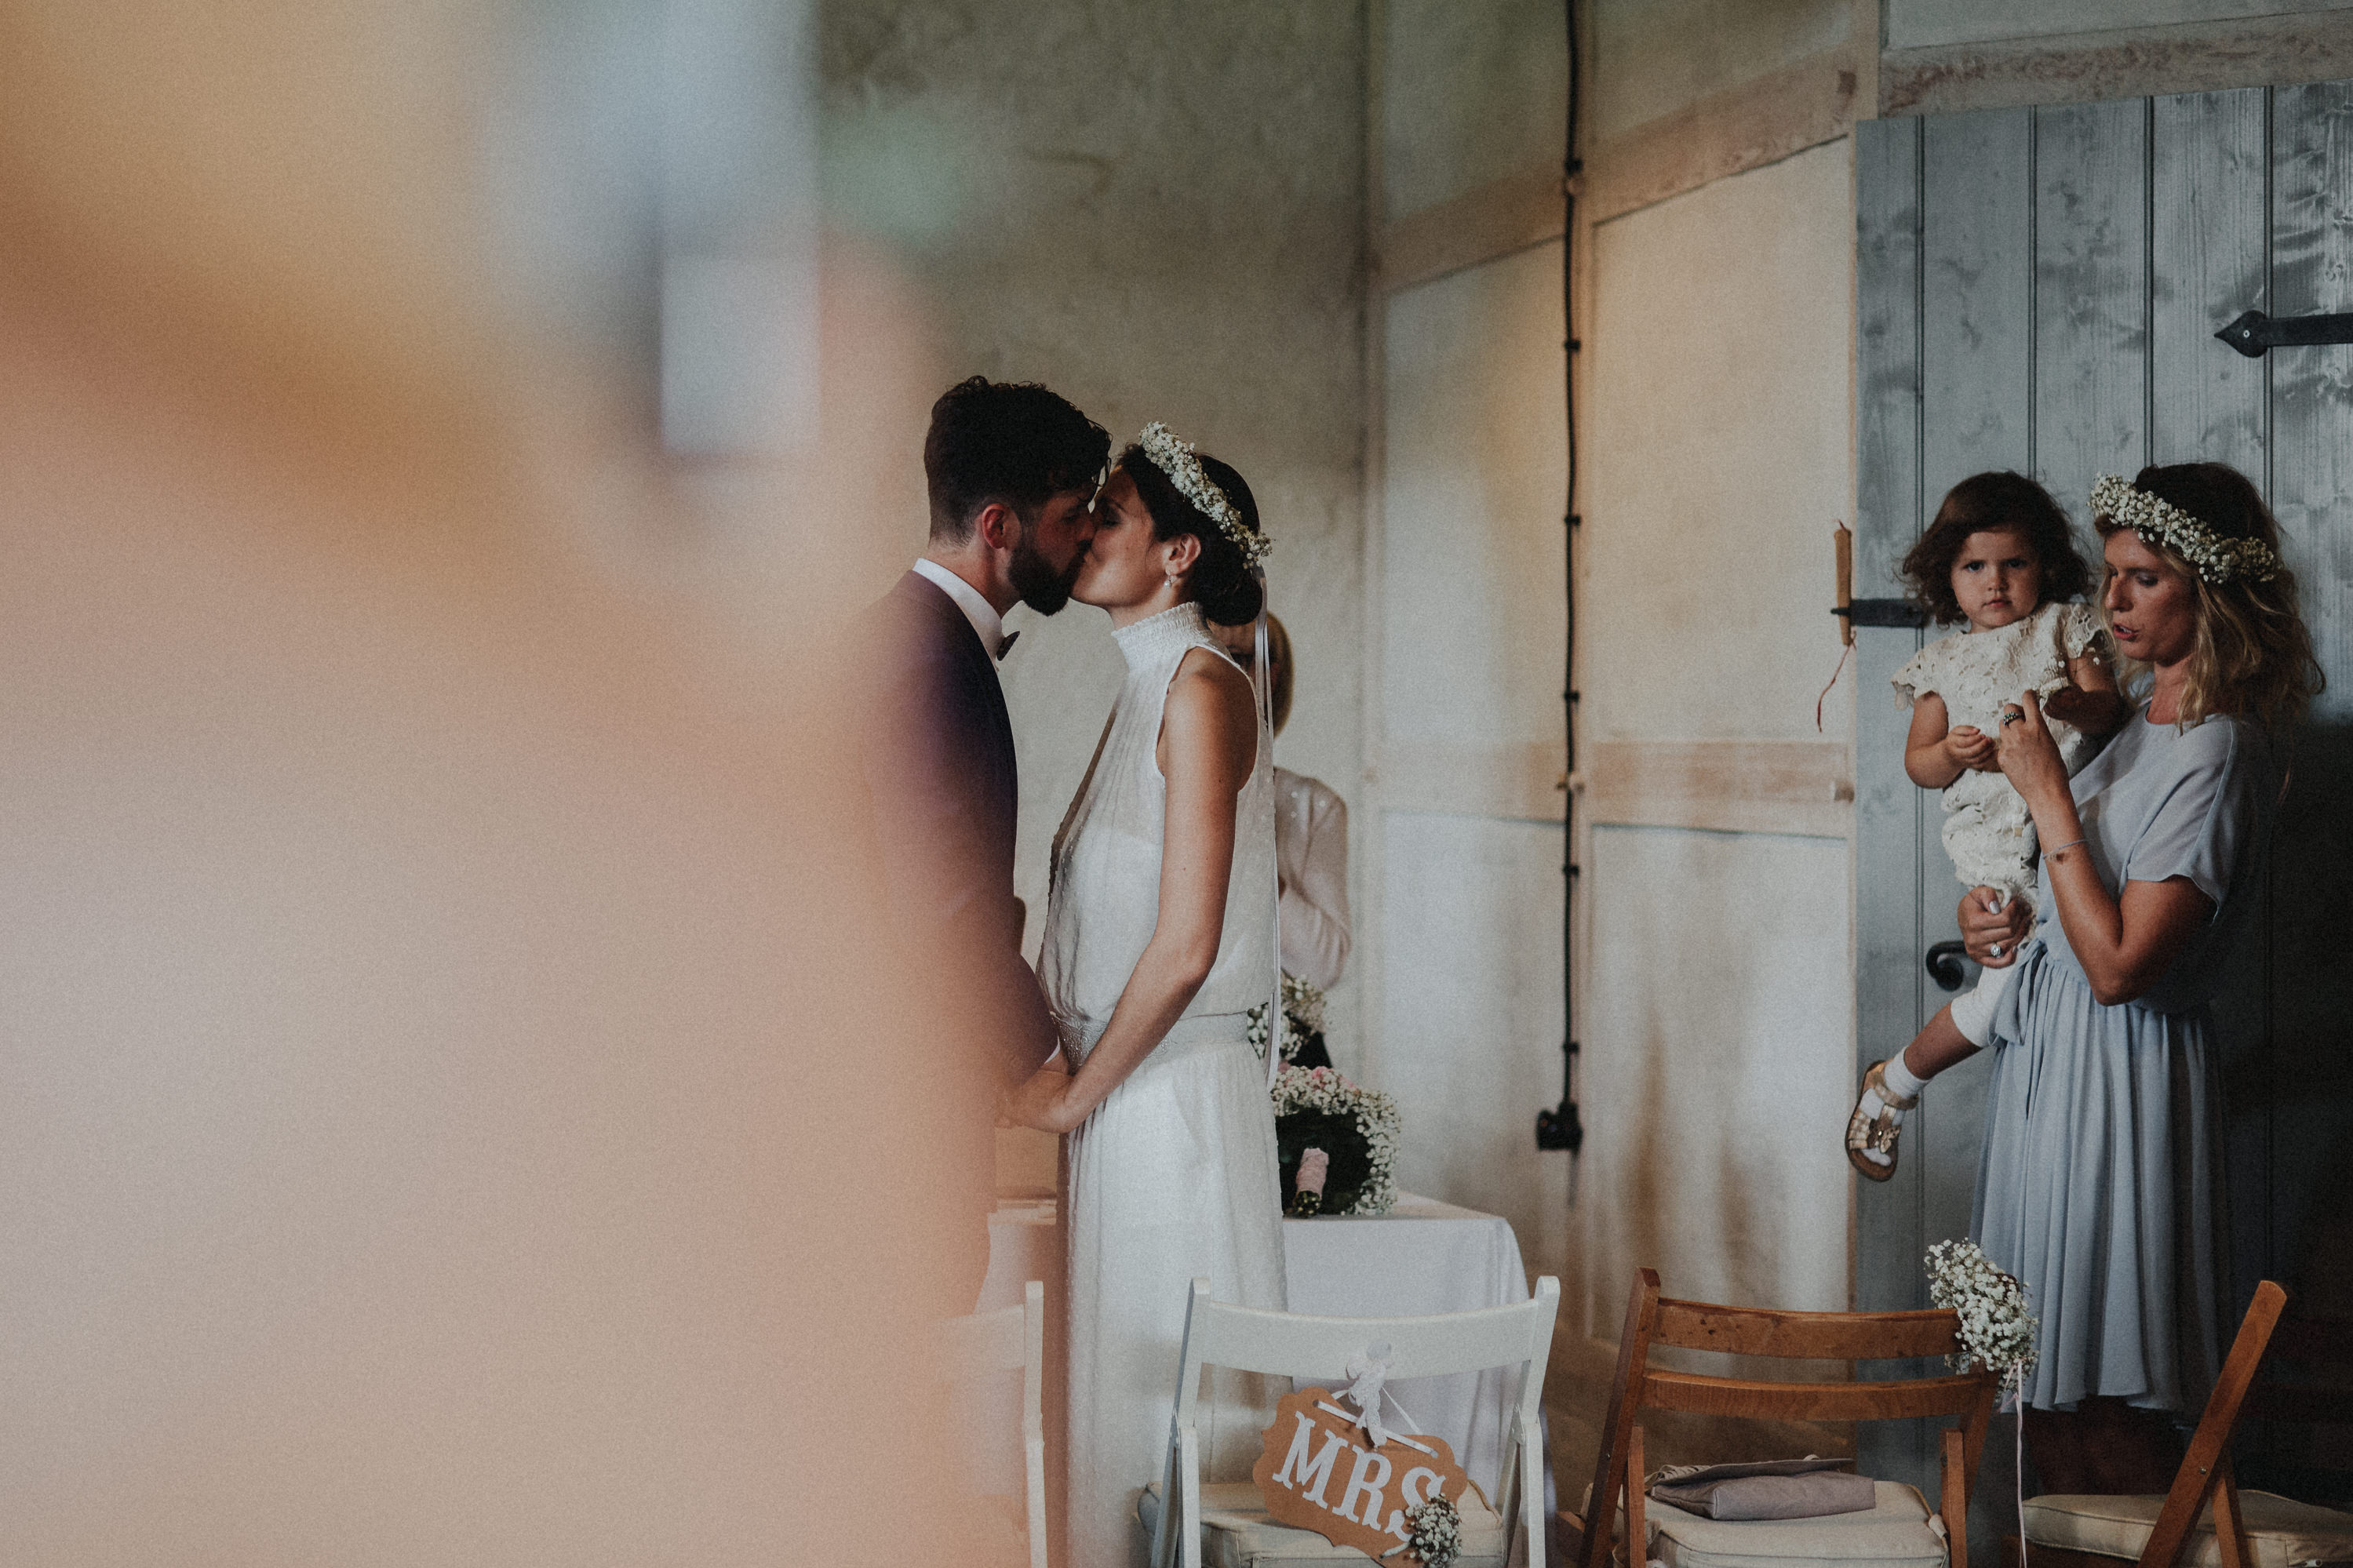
{"x": 451, "y": 1108}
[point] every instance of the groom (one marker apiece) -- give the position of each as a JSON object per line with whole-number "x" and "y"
{"x": 1012, "y": 470}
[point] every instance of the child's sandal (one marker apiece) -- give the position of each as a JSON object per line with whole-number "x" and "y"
{"x": 1877, "y": 1132}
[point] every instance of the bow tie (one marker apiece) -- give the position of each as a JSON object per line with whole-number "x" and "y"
{"x": 1004, "y": 645}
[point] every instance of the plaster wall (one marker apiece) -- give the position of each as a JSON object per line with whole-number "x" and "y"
{"x": 1159, "y": 212}
{"x": 1718, "y": 984}
{"x": 1466, "y": 620}
{"x": 1652, "y": 57}
{"x": 1470, "y": 609}
{"x": 1469, "y": 94}
{"x": 1718, "y": 454}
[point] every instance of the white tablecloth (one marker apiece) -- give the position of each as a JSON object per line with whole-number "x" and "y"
{"x": 1421, "y": 1257}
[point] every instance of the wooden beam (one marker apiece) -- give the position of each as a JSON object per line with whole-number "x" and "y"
{"x": 1761, "y": 122}
{"x": 1802, "y": 788}
{"x": 2076, "y": 68}
{"x": 1491, "y": 220}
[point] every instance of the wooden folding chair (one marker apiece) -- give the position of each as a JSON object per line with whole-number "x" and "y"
{"x": 1291, "y": 1344}
{"x": 1002, "y": 1341}
{"x": 2246, "y": 1527}
{"x": 1897, "y": 1527}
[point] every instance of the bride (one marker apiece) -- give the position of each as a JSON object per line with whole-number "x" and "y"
{"x": 1159, "y": 939}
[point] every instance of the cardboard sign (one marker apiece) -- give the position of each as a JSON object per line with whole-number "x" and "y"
{"x": 1319, "y": 1472}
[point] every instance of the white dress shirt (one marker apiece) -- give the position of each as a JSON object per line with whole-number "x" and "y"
{"x": 986, "y": 621}
{"x": 1310, "y": 858}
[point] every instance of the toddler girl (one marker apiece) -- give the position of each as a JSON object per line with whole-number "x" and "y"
{"x": 1999, "y": 556}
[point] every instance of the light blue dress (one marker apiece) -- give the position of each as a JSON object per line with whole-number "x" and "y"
{"x": 2100, "y": 1179}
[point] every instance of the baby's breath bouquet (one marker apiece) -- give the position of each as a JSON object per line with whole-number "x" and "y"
{"x": 1303, "y": 1019}
{"x": 1316, "y": 1108}
{"x": 1434, "y": 1537}
{"x": 1997, "y": 1330}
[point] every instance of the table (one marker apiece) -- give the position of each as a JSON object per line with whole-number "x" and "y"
{"x": 1421, "y": 1257}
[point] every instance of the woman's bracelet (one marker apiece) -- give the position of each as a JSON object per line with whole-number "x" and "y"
{"x": 2069, "y": 844}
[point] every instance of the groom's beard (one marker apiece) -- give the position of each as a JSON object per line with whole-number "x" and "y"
{"x": 1033, "y": 577}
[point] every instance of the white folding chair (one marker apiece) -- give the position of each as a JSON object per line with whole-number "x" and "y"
{"x": 1288, "y": 1344}
{"x": 1001, "y": 1341}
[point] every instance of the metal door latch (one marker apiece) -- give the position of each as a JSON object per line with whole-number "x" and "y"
{"x": 2255, "y": 334}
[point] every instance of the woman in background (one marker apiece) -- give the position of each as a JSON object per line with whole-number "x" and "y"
{"x": 2100, "y": 1181}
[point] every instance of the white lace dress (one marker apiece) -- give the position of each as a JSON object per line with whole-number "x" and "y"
{"x": 1174, "y": 1174}
{"x": 1989, "y": 832}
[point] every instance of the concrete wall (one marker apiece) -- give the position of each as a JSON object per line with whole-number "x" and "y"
{"x": 1159, "y": 212}
{"x": 1717, "y": 420}
{"x": 1465, "y": 617}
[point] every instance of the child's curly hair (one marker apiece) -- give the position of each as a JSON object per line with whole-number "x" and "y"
{"x": 1989, "y": 502}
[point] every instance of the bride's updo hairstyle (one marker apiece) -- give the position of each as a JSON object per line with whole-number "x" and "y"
{"x": 2253, "y": 656}
{"x": 1222, "y": 584}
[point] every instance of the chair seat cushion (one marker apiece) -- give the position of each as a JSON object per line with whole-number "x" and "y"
{"x": 2281, "y": 1530}
{"x": 1894, "y": 1532}
{"x": 1235, "y": 1532}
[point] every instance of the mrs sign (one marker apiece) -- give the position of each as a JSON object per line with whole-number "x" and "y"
{"x": 1318, "y": 1472}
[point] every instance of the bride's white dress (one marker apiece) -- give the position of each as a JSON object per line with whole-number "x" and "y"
{"x": 1174, "y": 1174}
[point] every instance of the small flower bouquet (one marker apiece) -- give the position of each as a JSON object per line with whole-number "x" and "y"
{"x": 1355, "y": 1130}
{"x": 1997, "y": 1330}
{"x": 1434, "y": 1536}
{"x": 1303, "y": 1019}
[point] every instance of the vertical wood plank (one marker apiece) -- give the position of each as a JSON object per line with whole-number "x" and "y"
{"x": 1887, "y": 805}
{"x": 1977, "y": 308}
{"x": 1888, "y": 808}
{"x": 2312, "y": 882}
{"x": 1977, "y": 402}
{"x": 2210, "y": 235}
{"x": 2210, "y": 238}
{"x": 2091, "y": 301}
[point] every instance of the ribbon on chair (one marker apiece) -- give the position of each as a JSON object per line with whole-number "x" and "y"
{"x": 1368, "y": 1372}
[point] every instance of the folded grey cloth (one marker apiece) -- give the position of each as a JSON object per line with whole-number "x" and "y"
{"x": 1767, "y": 1489}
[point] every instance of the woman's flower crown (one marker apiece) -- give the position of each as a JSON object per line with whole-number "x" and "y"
{"x": 2217, "y": 559}
{"x": 1175, "y": 459}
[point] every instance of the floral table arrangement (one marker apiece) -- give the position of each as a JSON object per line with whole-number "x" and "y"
{"x": 1353, "y": 1129}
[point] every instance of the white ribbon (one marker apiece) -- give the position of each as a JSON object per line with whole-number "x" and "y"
{"x": 1369, "y": 1371}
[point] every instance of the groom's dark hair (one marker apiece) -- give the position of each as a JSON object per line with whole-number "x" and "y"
{"x": 1013, "y": 442}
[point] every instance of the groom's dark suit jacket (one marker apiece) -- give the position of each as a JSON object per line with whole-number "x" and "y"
{"x": 939, "y": 768}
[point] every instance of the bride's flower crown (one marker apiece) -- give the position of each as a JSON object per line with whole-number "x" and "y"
{"x": 1175, "y": 459}
{"x": 2214, "y": 558}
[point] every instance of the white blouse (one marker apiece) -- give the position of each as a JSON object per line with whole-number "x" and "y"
{"x": 1311, "y": 856}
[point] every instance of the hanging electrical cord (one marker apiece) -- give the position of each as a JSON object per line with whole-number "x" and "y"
{"x": 1559, "y": 1127}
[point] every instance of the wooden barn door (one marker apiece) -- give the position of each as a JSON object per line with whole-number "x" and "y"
{"x": 2039, "y": 290}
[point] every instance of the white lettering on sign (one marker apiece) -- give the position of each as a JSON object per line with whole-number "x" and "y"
{"x": 1311, "y": 1437}
{"x": 1365, "y": 1482}
{"x": 1298, "y": 1472}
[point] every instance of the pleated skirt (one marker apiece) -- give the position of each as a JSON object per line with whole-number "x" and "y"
{"x": 1175, "y": 1175}
{"x": 2100, "y": 1185}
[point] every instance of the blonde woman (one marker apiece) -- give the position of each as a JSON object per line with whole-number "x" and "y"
{"x": 2100, "y": 1181}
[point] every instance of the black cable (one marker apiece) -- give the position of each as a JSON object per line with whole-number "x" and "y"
{"x": 1560, "y": 1128}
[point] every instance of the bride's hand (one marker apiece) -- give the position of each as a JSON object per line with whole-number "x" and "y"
{"x": 1043, "y": 1101}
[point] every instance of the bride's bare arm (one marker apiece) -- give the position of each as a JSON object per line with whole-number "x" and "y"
{"x": 1209, "y": 738}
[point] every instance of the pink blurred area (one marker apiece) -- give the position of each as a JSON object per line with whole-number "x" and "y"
{"x": 452, "y": 1109}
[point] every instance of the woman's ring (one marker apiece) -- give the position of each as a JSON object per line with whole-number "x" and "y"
{"x": 2011, "y": 716}
{"x": 1994, "y": 951}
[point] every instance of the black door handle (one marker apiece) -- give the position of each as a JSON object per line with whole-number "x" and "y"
{"x": 1945, "y": 965}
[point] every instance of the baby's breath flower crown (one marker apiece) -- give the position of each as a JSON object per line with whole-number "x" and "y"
{"x": 2215, "y": 559}
{"x": 1175, "y": 459}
